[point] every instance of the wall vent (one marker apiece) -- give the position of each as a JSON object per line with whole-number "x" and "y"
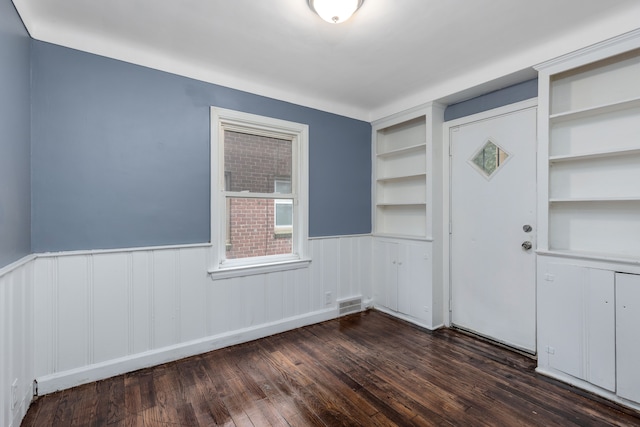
{"x": 352, "y": 305}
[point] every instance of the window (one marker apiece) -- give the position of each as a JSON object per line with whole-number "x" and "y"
{"x": 489, "y": 159}
{"x": 259, "y": 190}
{"x": 283, "y": 207}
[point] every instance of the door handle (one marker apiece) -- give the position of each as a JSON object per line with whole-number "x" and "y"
{"x": 526, "y": 245}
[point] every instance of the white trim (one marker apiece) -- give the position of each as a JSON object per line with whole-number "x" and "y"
{"x": 121, "y": 250}
{"x": 587, "y": 256}
{"x": 542, "y": 167}
{"x": 340, "y": 236}
{"x": 20, "y": 411}
{"x": 17, "y": 264}
{"x": 446, "y": 189}
{"x": 298, "y": 133}
{"x": 405, "y": 115}
{"x": 98, "y": 371}
{"x": 32, "y": 257}
{"x": 610, "y": 47}
{"x": 584, "y": 385}
{"x": 253, "y": 269}
{"x": 406, "y": 318}
{"x": 402, "y": 237}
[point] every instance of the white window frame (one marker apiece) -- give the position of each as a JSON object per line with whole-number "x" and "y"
{"x": 298, "y": 133}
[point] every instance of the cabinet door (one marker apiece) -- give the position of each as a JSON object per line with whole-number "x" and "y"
{"x": 414, "y": 281}
{"x": 385, "y": 259}
{"x": 580, "y": 310}
{"x": 628, "y": 335}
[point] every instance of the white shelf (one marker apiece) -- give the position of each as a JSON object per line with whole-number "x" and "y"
{"x": 594, "y": 256}
{"x": 594, "y": 166}
{"x": 401, "y": 177}
{"x": 403, "y": 151}
{"x": 401, "y": 168}
{"x": 382, "y": 205}
{"x": 594, "y": 199}
{"x": 594, "y": 111}
{"x": 595, "y": 155}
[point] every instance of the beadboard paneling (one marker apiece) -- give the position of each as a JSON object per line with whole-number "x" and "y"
{"x": 16, "y": 340}
{"x": 103, "y": 313}
{"x": 108, "y": 300}
{"x": 71, "y": 312}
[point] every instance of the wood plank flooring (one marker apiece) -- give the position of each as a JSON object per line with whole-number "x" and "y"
{"x": 366, "y": 369}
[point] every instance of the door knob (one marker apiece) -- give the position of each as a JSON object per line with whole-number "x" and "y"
{"x": 526, "y": 245}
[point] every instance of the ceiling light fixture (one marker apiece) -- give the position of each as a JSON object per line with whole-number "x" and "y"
{"x": 335, "y": 11}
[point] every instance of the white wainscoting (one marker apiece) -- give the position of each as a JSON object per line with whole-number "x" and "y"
{"x": 103, "y": 313}
{"x": 16, "y": 341}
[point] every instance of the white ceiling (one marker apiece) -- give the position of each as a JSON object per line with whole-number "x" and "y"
{"x": 392, "y": 54}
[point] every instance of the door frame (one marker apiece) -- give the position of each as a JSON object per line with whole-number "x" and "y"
{"x": 446, "y": 190}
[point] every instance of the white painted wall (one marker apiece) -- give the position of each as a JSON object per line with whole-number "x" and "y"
{"x": 16, "y": 340}
{"x": 99, "y": 314}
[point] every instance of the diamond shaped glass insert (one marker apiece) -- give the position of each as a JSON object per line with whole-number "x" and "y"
{"x": 490, "y": 158}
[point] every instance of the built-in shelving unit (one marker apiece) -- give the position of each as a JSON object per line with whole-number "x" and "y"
{"x": 588, "y": 281}
{"x": 593, "y": 201}
{"x": 400, "y": 189}
{"x": 404, "y": 185}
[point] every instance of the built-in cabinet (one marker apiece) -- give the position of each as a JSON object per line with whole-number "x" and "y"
{"x": 403, "y": 194}
{"x": 588, "y": 274}
{"x": 580, "y": 340}
{"x": 588, "y": 327}
{"x": 402, "y": 278}
{"x": 628, "y": 336}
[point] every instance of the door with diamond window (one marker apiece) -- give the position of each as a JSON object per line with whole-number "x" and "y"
{"x": 493, "y": 208}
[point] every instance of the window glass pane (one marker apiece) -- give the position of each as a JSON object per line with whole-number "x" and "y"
{"x": 251, "y": 229}
{"x": 284, "y": 213}
{"x": 490, "y": 158}
{"x": 253, "y": 162}
{"x": 283, "y": 185}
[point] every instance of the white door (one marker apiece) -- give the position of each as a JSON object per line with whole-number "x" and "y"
{"x": 493, "y": 206}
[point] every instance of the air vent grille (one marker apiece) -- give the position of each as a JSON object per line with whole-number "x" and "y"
{"x": 352, "y": 305}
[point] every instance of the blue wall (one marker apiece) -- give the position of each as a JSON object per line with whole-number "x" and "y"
{"x": 120, "y": 155}
{"x": 15, "y": 194}
{"x": 498, "y": 98}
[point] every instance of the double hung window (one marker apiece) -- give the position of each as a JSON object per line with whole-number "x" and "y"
{"x": 259, "y": 186}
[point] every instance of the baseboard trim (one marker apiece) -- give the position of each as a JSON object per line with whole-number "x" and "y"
{"x": 588, "y": 387}
{"x": 99, "y": 371}
{"x": 406, "y": 318}
{"x": 21, "y": 410}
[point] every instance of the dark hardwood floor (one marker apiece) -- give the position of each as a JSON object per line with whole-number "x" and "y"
{"x": 366, "y": 369}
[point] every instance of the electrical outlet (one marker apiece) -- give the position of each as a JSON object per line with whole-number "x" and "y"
{"x": 14, "y": 394}
{"x": 327, "y": 298}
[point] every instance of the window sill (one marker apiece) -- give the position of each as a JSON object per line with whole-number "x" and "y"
{"x": 251, "y": 270}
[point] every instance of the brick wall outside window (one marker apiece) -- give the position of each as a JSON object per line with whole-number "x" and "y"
{"x": 253, "y": 163}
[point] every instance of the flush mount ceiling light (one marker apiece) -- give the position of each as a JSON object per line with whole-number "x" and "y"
{"x": 335, "y": 11}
